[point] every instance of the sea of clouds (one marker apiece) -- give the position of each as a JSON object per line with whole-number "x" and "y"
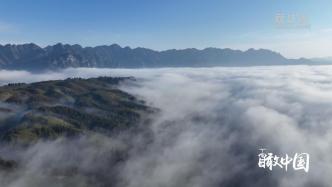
{"x": 211, "y": 125}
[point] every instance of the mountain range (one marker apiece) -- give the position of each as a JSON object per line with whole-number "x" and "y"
{"x": 33, "y": 57}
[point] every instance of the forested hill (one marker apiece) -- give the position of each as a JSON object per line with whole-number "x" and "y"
{"x": 52, "y": 109}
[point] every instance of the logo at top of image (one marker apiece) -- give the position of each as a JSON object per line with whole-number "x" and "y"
{"x": 292, "y": 21}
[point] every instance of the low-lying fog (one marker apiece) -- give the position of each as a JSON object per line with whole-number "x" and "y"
{"x": 211, "y": 125}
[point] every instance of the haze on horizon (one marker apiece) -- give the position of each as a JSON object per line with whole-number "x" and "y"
{"x": 297, "y": 28}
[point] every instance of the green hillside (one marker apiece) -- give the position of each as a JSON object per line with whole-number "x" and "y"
{"x": 51, "y": 109}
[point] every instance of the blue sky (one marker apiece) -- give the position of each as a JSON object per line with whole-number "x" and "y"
{"x": 160, "y": 24}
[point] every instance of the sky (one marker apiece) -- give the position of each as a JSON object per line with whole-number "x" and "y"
{"x": 295, "y": 28}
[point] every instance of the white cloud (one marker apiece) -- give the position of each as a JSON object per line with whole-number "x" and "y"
{"x": 211, "y": 125}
